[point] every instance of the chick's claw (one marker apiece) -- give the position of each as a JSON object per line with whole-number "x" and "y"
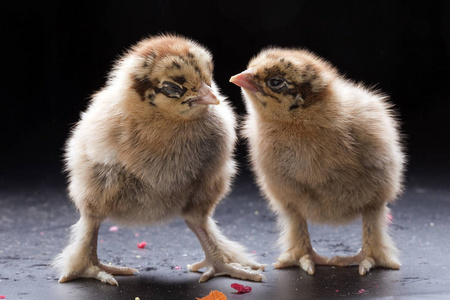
{"x": 196, "y": 266}
{"x": 365, "y": 266}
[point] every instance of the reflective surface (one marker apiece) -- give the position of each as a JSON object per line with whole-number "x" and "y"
{"x": 36, "y": 215}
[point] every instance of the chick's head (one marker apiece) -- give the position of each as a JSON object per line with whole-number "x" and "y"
{"x": 282, "y": 83}
{"x": 171, "y": 75}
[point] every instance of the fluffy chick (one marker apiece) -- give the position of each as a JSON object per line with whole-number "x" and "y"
{"x": 153, "y": 144}
{"x": 323, "y": 149}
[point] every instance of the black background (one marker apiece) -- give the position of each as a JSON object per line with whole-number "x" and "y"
{"x": 56, "y": 53}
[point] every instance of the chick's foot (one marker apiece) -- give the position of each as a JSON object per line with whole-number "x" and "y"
{"x": 367, "y": 261}
{"x": 232, "y": 269}
{"x": 378, "y": 249}
{"x": 99, "y": 271}
{"x": 79, "y": 259}
{"x": 222, "y": 256}
{"x": 307, "y": 260}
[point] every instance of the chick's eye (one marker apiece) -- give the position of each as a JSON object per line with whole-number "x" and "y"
{"x": 276, "y": 83}
{"x": 171, "y": 89}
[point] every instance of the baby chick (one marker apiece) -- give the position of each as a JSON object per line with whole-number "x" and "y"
{"x": 154, "y": 144}
{"x": 323, "y": 149}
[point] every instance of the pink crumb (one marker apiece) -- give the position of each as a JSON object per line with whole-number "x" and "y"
{"x": 142, "y": 245}
{"x": 177, "y": 267}
{"x": 362, "y": 291}
{"x": 337, "y": 291}
{"x": 253, "y": 251}
{"x": 136, "y": 234}
{"x": 390, "y": 217}
{"x": 2, "y": 297}
{"x": 240, "y": 288}
{"x": 42, "y": 233}
{"x": 113, "y": 228}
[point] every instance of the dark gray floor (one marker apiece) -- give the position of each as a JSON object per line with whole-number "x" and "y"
{"x": 35, "y": 216}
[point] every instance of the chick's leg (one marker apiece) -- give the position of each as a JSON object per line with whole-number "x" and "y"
{"x": 295, "y": 238}
{"x": 378, "y": 249}
{"x": 79, "y": 258}
{"x": 222, "y": 256}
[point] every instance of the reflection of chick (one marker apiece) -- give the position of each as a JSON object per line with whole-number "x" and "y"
{"x": 325, "y": 150}
{"x": 151, "y": 147}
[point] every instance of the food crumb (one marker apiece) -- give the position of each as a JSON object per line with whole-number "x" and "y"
{"x": 2, "y": 297}
{"x": 214, "y": 295}
{"x": 362, "y": 291}
{"x": 142, "y": 245}
{"x": 240, "y": 288}
{"x": 390, "y": 217}
{"x": 113, "y": 228}
{"x": 177, "y": 268}
{"x": 137, "y": 298}
{"x": 136, "y": 234}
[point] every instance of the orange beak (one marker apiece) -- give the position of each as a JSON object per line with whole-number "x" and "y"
{"x": 245, "y": 80}
{"x": 205, "y": 96}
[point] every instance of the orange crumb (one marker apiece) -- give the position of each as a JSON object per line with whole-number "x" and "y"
{"x": 214, "y": 295}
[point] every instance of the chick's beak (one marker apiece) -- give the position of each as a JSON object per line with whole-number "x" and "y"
{"x": 245, "y": 80}
{"x": 205, "y": 96}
